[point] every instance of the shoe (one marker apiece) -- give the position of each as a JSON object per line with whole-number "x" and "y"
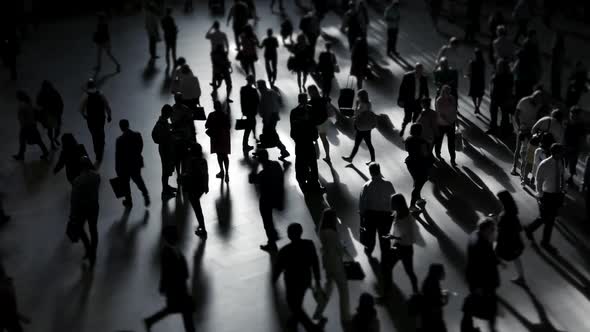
{"x": 201, "y": 232}
{"x": 226, "y": 178}
{"x": 269, "y": 247}
{"x": 453, "y": 163}
{"x": 550, "y": 249}
{"x": 127, "y": 203}
{"x": 146, "y": 200}
{"x": 513, "y": 171}
{"x": 219, "y": 175}
{"x": 347, "y": 159}
{"x": 284, "y": 155}
{"x": 18, "y": 157}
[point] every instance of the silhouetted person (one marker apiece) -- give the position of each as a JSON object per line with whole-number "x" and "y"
{"x": 249, "y": 100}
{"x": 446, "y": 107}
{"x": 268, "y": 108}
{"x": 419, "y": 163}
{"x": 10, "y": 316}
{"x": 365, "y": 319}
{"x": 183, "y": 130}
{"x": 450, "y": 51}
{"x": 525, "y": 117}
{"x": 359, "y": 58}
{"x": 333, "y": 253}
{"x": 84, "y": 207}
{"x": 392, "y": 17}
{"x": 286, "y": 29}
{"x": 375, "y": 210}
{"x": 153, "y": 29}
{"x": 102, "y": 39}
{"x": 525, "y": 76}
{"x": 51, "y": 110}
{"x": 577, "y": 84}
{"x": 482, "y": 273}
{"x": 240, "y": 13}
{"x": 327, "y": 68}
{"x": 352, "y": 24}
{"x": 301, "y": 61}
{"x": 162, "y": 136}
{"x": 496, "y": 19}
{"x": 413, "y": 88}
{"x": 310, "y": 27}
{"x": 270, "y": 45}
{"x": 405, "y": 234}
{"x": 170, "y": 36}
{"x": 218, "y": 129}
{"x": 551, "y": 124}
{"x": 557, "y": 63}
{"x": 434, "y": 298}
{"x": 173, "y": 282}
{"x": 501, "y": 96}
{"x": 575, "y": 131}
{"x": 509, "y": 244}
{"x": 446, "y": 75}
{"x": 304, "y": 133}
{"x": 221, "y": 71}
{"x": 217, "y": 37}
{"x": 248, "y": 50}
{"x": 271, "y": 189}
{"x": 320, "y": 117}
{"x": 129, "y": 161}
{"x": 187, "y": 84}
{"x": 430, "y": 121}
{"x": 95, "y": 109}
{"x": 550, "y": 192}
{"x": 298, "y": 260}
{"x": 477, "y": 78}
{"x": 473, "y": 19}
{"x": 503, "y": 46}
{"x": 71, "y": 154}
{"x": 364, "y": 122}
{"x": 29, "y": 134}
{"x": 195, "y": 182}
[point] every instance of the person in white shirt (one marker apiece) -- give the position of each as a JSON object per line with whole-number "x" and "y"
{"x": 525, "y": 116}
{"x": 375, "y": 210}
{"x": 550, "y": 191}
{"x": 392, "y": 18}
{"x": 552, "y": 124}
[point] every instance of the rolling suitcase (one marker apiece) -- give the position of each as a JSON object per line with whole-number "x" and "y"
{"x": 346, "y": 100}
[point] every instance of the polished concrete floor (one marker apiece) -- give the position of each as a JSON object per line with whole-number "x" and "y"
{"x": 230, "y": 275}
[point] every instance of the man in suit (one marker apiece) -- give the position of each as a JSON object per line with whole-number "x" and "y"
{"x": 249, "y": 100}
{"x": 162, "y": 135}
{"x": 173, "y": 276}
{"x": 304, "y": 133}
{"x": 95, "y": 109}
{"x": 129, "y": 161}
{"x": 298, "y": 260}
{"x": 414, "y": 87}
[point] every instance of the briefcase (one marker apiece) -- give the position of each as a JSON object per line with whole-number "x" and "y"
{"x": 120, "y": 187}
{"x": 241, "y": 124}
{"x": 199, "y": 113}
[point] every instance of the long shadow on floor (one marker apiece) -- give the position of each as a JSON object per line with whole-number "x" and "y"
{"x": 200, "y": 284}
{"x": 223, "y": 207}
{"x": 575, "y": 240}
{"x": 343, "y": 202}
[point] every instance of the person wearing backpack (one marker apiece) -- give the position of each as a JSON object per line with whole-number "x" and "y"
{"x": 195, "y": 182}
{"x": 95, "y": 109}
{"x": 364, "y": 122}
{"x": 162, "y": 135}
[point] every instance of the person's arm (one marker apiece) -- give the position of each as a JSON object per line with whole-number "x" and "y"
{"x": 206, "y": 175}
{"x": 60, "y": 163}
{"x": 107, "y": 108}
{"x": 83, "y": 107}
{"x": 363, "y": 201}
{"x": 225, "y": 43}
{"x": 541, "y": 177}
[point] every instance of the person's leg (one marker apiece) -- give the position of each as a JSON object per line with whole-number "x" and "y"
{"x": 99, "y": 50}
{"x": 168, "y": 51}
{"x": 312, "y": 162}
{"x": 438, "y": 141}
{"x": 220, "y": 163}
{"x": 370, "y": 227}
{"x": 552, "y": 204}
{"x": 22, "y": 144}
{"x": 112, "y": 57}
{"x": 127, "y": 198}
{"x": 246, "y": 137}
{"x": 357, "y": 142}
{"x": 152, "y": 47}
{"x": 305, "y": 73}
{"x": 138, "y": 180}
{"x": 299, "y": 74}
{"x": 93, "y": 231}
{"x": 408, "y": 113}
{"x": 408, "y": 263}
{"x": 384, "y": 224}
{"x": 86, "y": 242}
{"x": 267, "y": 66}
{"x": 344, "y": 298}
{"x": 158, "y": 316}
{"x": 295, "y": 296}
{"x": 326, "y": 145}
{"x": 194, "y": 199}
{"x": 415, "y": 194}
{"x": 187, "y": 320}
{"x": 267, "y": 222}
{"x": 517, "y": 152}
{"x": 394, "y": 40}
{"x": 226, "y": 164}
{"x": 451, "y": 142}
{"x": 173, "y": 47}
{"x": 301, "y": 169}
{"x": 323, "y": 301}
{"x": 367, "y": 138}
{"x": 519, "y": 268}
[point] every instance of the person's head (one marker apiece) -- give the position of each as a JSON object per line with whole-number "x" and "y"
{"x": 185, "y": 69}
{"x": 23, "y": 97}
{"x": 416, "y": 130}
{"x": 399, "y": 205}
{"x": 170, "y": 234}
{"x": 501, "y": 31}
{"x": 216, "y": 25}
{"x": 181, "y": 61}
{"x": 313, "y": 91}
{"x": 436, "y": 271}
{"x": 537, "y": 97}
{"x": 363, "y": 96}
{"x": 508, "y": 203}
{"x": 453, "y": 42}
{"x": 329, "y": 219}
{"x": 425, "y": 103}
{"x": 124, "y": 124}
{"x": 419, "y": 69}
{"x": 262, "y": 156}
{"x": 557, "y": 115}
{"x": 502, "y": 66}
{"x": 302, "y": 98}
{"x": 250, "y": 79}
{"x": 575, "y": 113}
{"x": 375, "y": 170}
{"x": 443, "y": 63}
{"x": 546, "y": 141}
{"x": 445, "y": 90}
{"x": 294, "y": 232}
{"x": 557, "y": 150}
{"x": 366, "y": 304}
{"x": 91, "y": 84}
{"x": 487, "y": 228}
{"x": 269, "y": 32}
{"x": 68, "y": 141}
{"x": 166, "y": 111}
{"x": 261, "y": 85}
{"x": 178, "y": 98}
{"x": 195, "y": 150}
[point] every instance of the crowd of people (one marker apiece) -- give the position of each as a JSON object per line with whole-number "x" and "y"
{"x": 548, "y": 128}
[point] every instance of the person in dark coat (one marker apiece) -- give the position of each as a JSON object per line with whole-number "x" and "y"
{"x": 71, "y": 154}
{"x": 270, "y": 44}
{"x": 270, "y": 181}
{"x": 446, "y": 75}
{"x": 496, "y": 19}
{"x": 29, "y": 134}
{"x": 10, "y": 318}
{"x": 249, "y": 100}
{"x": 359, "y": 58}
{"x": 300, "y": 61}
{"x": 95, "y": 109}
{"x": 248, "y": 53}
{"x": 477, "y": 78}
{"x": 413, "y": 88}
{"x": 365, "y": 319}
{"x": 501, "y": 96}
{"x": 351, "y": 24}
{"x": 218, "y": 128}
{"x": 129, "y": 161}
{"x": 434, "y": 298}
{"x": 170, "y": 36}
{"x": 327, "y": 68}
{"x": 304, "y": 133}
{"x": 298, "y": 261}
{"x": 509, "y": 244}
{"x": 482, "y": 273}
{"x": 419, "y": 162}
{"x": 195, "y": 182}
{"x": 162, "y": 135}
{"x": 240, "y": 13}
{"x": 310, "y": 27}
{"x": 173, "y": 282}
{"x": 222, "y": 70}
{"x": 51, "y": 109}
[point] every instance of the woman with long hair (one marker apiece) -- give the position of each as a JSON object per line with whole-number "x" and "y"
{"x": 364, "y": 122}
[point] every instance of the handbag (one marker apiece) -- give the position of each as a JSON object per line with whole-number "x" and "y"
{"x": 73, "y": 230}
{"x": 353, "y": 270}
{"x": 199, "y": 113}
{"x": 120, "y": 187}
{"x": 241, "y": 124}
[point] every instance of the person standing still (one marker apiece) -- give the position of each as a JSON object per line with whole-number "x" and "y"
{"x": 392, "y": 18}
{"x": 129, "y": 161}
{"x": 249, "y": 100}
{"x": 95, "y": 109}
{"x": 218, "y": 129}
{"x": 170, "y": 36}
{"x": 162, "y": 136}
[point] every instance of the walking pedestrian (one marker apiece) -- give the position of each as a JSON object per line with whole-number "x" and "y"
{"x": 446, "y": 75}
{"x": 218, "y": 129}
{"x": 304, "y": 133}
{"x": 446, "y": 107}
{"x": 249, "y": 101}
{"x": 162, "y": 136}
{"x": 525, "y": 117}
{"x": 320, "y": 117}
{"x": 51, "y": 108}
{"x": 187, "y": 84}
{"x": 221, "y": 71}
{"x": 28, "y": 134}
{"x": 298, "y": 260}
{"x": 183, "y": 131}
{"x": 173, "y": 282}
{"x": 240, "y": 14}
{"x": 152, "y": 29}
{"x": 412, "y": 90}
{"x": 327, "y": 69}
{"x": 509, "y": 244}
{"x": 300, "y": 61}
{"x": 477, "y": 78}
{"x": 450, "y": 52}
{"x": 268, "y": 108}
{"x": 102, "y": 39}
{"x": 195, "y": 182}
{"x": 95, "y": 109}
{"x": 359, "y": 58}
{"x": 129, "y": 161}
{"x": 310, "y": 27}
{"x": 364, "y": 122}
{"x": 429, "y": 119}
{"x": 217, "y": 37}
{"x": 434, "y": 298}
{"x": 392, "y": 17}
{"x": 170, "y": 30}
{"x": 503, "y": 47}
{"x": 270, "y": 45}
{"x": 71, "y": 154}
{"x": 248, "y": 50}
{"x": 352, "y": 24}
{"x": 419, "y": 163}
{"x": 501, "y": 97}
